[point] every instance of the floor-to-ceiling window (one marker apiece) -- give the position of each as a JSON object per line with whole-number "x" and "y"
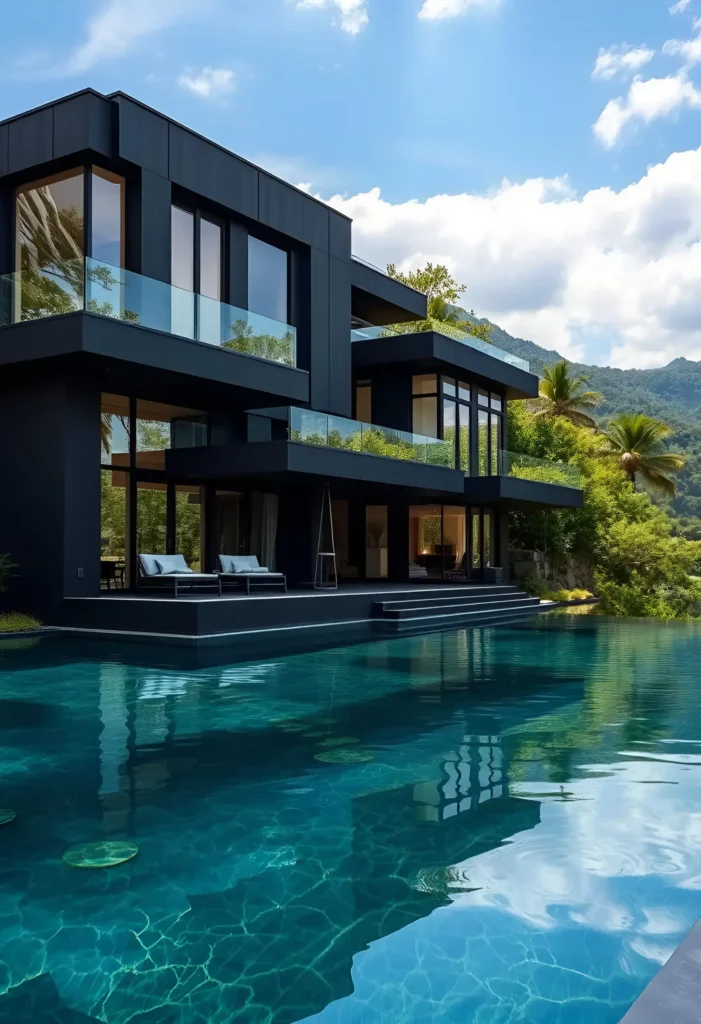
{"x": 457, "y": 396}
{"x": 450, "y": 542}
{"x": 268, "y": 280}
{"x": 424, "y": 403}
{"x": 142, "y": 510}
{"x": 50, "y": 246}
{"x": 490, "y": 432}
{"x": 107, "y": 217}
{"x": 376, "y": 542}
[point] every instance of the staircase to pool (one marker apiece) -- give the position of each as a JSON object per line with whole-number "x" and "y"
{"x": 455, "y": 606}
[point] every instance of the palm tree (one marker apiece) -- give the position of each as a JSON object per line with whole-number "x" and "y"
{"x": 637, "y": 442}
{"x": 561, "y": 394}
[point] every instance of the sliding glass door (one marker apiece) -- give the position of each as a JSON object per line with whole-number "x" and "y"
{"x": 450, "y": 542}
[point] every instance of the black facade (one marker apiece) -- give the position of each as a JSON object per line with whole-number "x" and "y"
{"x": 178, "y": 375}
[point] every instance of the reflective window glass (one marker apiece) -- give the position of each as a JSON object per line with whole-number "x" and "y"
{"x": 424, "y": 384}
{"x": 464, "y": 440}
{"x": 449, "y": 386}
{"x": 182, "y": 260}
{"x": 160, "y": 427}
{"x": 496, "y": 402}
{"x": 114, "y": 430}
{"x": 210, "y": 259}
{"x": 107, "y": 215}
{"x": 464, "y": 391}
{"x": 483, "y": 397}
{"x": 267, "y": 279}
{"x": 483, "y": 443}
{"x": 425, "y": 418}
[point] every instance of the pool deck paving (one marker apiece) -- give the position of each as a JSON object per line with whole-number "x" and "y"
{"x": 674, "y": 994}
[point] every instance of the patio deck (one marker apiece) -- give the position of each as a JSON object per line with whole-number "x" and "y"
{"x": 255, "y": 619}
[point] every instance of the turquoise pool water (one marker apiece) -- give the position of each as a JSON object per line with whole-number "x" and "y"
{"x": 517, "y": 839}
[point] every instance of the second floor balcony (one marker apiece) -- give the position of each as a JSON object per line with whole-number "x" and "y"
{"x": 89, "y": 285}
{"x": 454, "y": 332}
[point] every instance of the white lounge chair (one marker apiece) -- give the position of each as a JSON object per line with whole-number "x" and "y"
{"x": 161, "y": 570}
{"x": 245, "y": 570}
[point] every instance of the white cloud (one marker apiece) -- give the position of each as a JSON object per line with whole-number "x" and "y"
{"x": 353, "y": 13}
{"x": 209, "y": 83}
{"x": 621, "y": 60}
{"x": 121, "y": 25}
{"x": 647, "y": 100}
{"x": 435, "y": 10}
{"x": 620, "y": 271}
{"x": 688, "y": 49}
{"x": 679, "y": 7}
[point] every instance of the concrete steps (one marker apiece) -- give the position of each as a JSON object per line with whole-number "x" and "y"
{"x": 468, "y": 606}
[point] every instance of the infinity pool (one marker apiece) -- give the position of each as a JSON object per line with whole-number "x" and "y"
{"x": 481, "y": 826}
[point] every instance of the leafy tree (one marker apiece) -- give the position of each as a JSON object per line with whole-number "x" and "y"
{"x": 434, "y": 282}
{"x": 442, "y": 292}
{"x": 254, "y": 343}
{"x": 562, "y": 394}
{"x": 637, "y": 442}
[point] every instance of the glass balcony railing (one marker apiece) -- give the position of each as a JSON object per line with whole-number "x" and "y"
{"x": 317, "y": 428}
{"x": 123, "y": 295}
{"x": 450, "y": 331}
{"x": 541, "y": 470}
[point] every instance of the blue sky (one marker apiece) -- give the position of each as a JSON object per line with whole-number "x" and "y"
{"x": 422, "y": 99}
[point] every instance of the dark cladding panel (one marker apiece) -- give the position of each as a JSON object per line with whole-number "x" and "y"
{"x": 319, "y": 330}
{"x": 238, "y": 265}
{"x": 31, "y": 140}
{"x": 84, "y": 122}
{"x": 339, "y": 236}
{"x": 6, "y": 247}
{"x": 143, "y": 137}
{"x": 293, "y": 213}
{"x": 340, "y": 397}
{"x": 155, "y": 226}
{"x": 4, "y": 145}
{"x": 209, "y": 171}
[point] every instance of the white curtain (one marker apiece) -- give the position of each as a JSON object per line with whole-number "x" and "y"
{"x": 264, "y": 513}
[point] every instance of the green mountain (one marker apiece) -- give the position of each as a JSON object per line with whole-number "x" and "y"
{"x": 671, "y": 393}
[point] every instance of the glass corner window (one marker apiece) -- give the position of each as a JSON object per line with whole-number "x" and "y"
{"x": 267, "y": 279}
{"x": 107, "y": 217}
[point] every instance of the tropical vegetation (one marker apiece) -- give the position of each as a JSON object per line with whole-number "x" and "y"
{"x": 443, "y": 293}
{"x": 12, "y": 622}
{"x": 563, "y": 394}
{"x": 637, "y": 442}
{"x": 624, "y": 541}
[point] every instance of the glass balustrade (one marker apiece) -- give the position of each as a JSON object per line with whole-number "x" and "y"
{"x": 328, "y": 431}
{"x": 449, "y": 331}
{"x": 120, "y": 294}
{"x": 541, "y": 470}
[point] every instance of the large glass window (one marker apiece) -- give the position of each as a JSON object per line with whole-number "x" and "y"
{"x": 189, "y": 524}
{"x": 483, "y": 442}
{"x": 115, "y": 430}
{"x": 182, "y": 272}
{"x": 424, "y": 389}
{"x": 151, "y": 517}
{"x": 267, "y": 280}
{"x": 160, "y": 426}
{"x": 450, "y": 542}
{"x": 456, "y": 420}
{"x": 114, "y": 518}
{"x": 491, "y": 433}
{"x": 376, "y": 542}
{"x": 107, "y": 217}
{"x": 49, "y": 246}
{"x": 210, "y": 259}
{"x": 363, "y": 401}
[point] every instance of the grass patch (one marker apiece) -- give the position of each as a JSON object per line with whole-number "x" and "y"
{"x": 15, "y": 622}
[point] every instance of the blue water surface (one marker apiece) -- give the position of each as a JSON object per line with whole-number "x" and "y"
{"x": 518, "y": 837}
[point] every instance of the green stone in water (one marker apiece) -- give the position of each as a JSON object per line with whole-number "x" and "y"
{"x": 344, "y": 756}
{"x": 99, "y": 855}
{"x": 339, "y": 741}
{"x": 6, "y": 817}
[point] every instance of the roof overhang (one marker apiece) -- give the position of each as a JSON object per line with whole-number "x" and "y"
{"x": 379, "y": 299}
{"x": 519, "y": 493}
{"x": 429, "y": 351}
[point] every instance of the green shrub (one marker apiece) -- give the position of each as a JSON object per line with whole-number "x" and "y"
{"x": 15, "y": 622}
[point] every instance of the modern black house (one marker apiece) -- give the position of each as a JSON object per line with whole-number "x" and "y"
{"x": 192, "y": 361}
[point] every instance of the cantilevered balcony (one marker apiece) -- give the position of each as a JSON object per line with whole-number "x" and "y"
{"x": 447, "y": 331}
{"x": 90, "y": 286}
